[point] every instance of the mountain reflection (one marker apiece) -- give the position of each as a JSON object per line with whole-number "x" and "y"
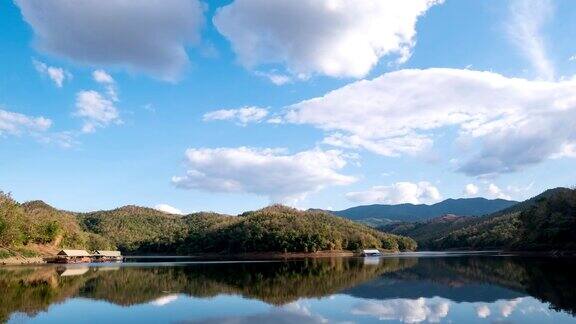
{"x": 404, "y": 289}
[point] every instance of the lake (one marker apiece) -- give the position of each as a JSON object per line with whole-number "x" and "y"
{"x": 408, "y": 289}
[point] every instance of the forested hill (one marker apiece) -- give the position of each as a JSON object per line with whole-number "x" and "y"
{"x": 544, "y": 222}
{"x": 382, "y": 214}
{"x": 272, "y": 229}
{"x": 26, "y": 229}
{"x": 36, "y": 227}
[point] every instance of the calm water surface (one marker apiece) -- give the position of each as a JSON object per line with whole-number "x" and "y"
{"x": 410, "y": 289}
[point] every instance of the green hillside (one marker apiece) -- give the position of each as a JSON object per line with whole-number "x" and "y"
{"x": 26, "y": 229}
{"x": 544, "y": 222}
{"x": 283, "y": 229}
{"x": 379, "y": 215}
{"x": 36, "y": 226}
{"x": 136, "y": 229}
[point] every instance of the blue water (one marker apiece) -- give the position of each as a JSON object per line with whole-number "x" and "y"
{"x": 410, "y": 289}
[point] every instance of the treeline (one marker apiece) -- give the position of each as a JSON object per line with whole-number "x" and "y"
{"x": 35, "y": 223}
{"x": 139, "y": 230}
{"x": 543, "y": 223}
{"x": 32, "y": 290}
{"x": 283, "y": 229}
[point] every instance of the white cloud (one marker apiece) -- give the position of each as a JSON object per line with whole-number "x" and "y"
{"x": 482, "y": 311}
{"x": 508, "y": 123}
{"x": 12, "y": 123}
{"x": 242, "y": 116}
{"x": 108, "y": 81}
{"x": 56, "y": 74}
{"x": 405, "y": 310}
{"x": 95, "y": 110}
{"x": 149, "y": 35}
{"x": 495, "y": 192}
{"x": 527, "y": 18}
{"x": 102, "y": 76}
{"x": 274, "y": 77}
{"x": 398, "y": 193}
{"x": 16, "y": 124}
{"x": 267, "y": 172}
{"x": 332, "y": 37}
{"x": 168, "y": 209}
{"x": 572, "y": 58}
{"x": 471, "y": 190}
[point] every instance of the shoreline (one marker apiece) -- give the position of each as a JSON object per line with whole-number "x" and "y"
{"x": 18, "y": 260}
{"x": 39, "y": 260}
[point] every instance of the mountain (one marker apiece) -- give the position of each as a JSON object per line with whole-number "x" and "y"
{"x": 282, "y": 229}
{"x": 426, "y": 231}
{"x": 38, "y": 228}
{"x": 382, "y": 214}
{"x": 544, "y": 222}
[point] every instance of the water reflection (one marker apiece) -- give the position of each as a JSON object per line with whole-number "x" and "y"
{"x": 409, "y": 290}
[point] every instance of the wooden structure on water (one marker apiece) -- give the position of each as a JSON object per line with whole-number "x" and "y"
{"x": 371, "y": 253}
{"x": 106, "y": 256}
{"x": 83, "y": 256}
{"x": 72, "y": 256}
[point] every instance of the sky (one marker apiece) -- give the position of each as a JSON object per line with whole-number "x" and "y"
{"x": 228, "y": 106}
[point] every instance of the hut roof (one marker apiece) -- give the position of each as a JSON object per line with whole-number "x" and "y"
{"x": 74, "y": 253}
{"x": 69, "y": 272}
{"x": 108, "y": 253}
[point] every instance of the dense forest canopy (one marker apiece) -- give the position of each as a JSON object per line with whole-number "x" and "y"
{"x": 36, "y": 223}
{"x": 545, "y": 222}
{"x": 139, "y": 230}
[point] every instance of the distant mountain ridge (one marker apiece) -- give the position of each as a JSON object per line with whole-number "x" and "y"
{"x": 382, "y": 214}
{"x": 544, "y": 222}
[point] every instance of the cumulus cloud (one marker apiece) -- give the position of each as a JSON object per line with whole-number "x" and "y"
{"x": 102, "y": 77}
{"x": 242, "y": 116}
{"x": 96, "y": 110}
{"x": 272, "y": 173}
{"x": 149, "y": 35}
{"x": 168, "y": 209}
{"x": 471, "y": 190}
{"x": 495, "y": 192}
{"x": 340, "y": 38}
{"x": 12, "y": 123}
{"x": 405, "y": 310}
{"x": 398, "y": 193}
{"x": 527, "y": 19}
{"x": 56, "y": 74}
{"x": 507, "y": 123}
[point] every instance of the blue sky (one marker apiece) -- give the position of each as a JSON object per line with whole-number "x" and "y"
{"x": 232, "y": 105}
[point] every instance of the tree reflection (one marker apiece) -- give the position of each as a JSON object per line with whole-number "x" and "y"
{"x": 474, "y": 279}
